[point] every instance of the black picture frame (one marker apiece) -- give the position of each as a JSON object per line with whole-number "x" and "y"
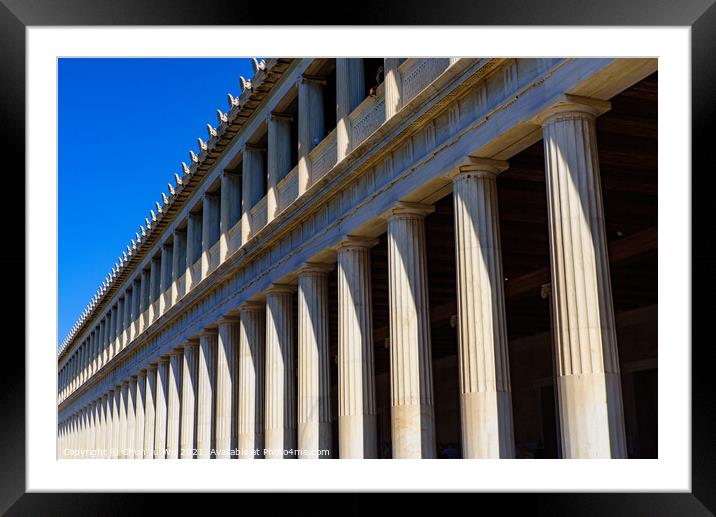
{"x": 700, "y": 15}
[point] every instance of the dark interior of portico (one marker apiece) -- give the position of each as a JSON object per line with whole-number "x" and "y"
{"x": 627, "y": 144}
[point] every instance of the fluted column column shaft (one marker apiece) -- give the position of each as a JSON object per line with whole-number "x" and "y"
{"x": 178, "y": 264}
{"x": 154, "y": 269}
{"x": 230, "y": 208}
{"x": 123, "y": 427}
{"x": 206, "y": 395}
{"x": 139, "y": 423}
{"x": 174, "y": 403}
{"x": 311, "y": 125}
{"x": 278, "y": 158}
{"x": 108, "y": 433}
{"x": 131, "y": 415}
{"x": 350, "y": 91}
{"x": 160, "y": 410}
{"x": 209, "y": 228}
{"x": 411, "y": 378}
{"x": 136, "y": 296}
{"x": 280, "y": 373}
{"x": 116, "y": 423}
{"x": 193, "y": 248}
{"x": 588, "y": 381}
{"x": 253, "y": 186}
{"x": 188, "y": 400}
{"x": 314, "y": 383}
{"x": 485, "y": 394}
{"x": 251, "y": 380}
{"x": 227, "y": 388}
{"x": 165, "y": 277}
{"x": 144, "y": 296}
{"x": 392, "y": 86}
{"x": 357, "y": 431}
{"x": 150, "y": 394}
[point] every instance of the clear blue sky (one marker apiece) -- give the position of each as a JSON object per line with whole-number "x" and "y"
{"x": 124, "y": 127}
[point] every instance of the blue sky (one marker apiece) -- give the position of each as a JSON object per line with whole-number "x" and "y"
{"x": 124, "y": 127}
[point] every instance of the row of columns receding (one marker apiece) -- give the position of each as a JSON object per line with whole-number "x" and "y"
{"x": 206, "y": 239}
{"x": 234, "y": 387}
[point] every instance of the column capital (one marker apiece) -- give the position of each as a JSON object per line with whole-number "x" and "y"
{"x": 479, "y": 168}
{"x": 208, "y": 332}
{"x": 252, "y": 147}
{"x": 315, "y": 268}
{"x": 279, "y": 116}
{"x": 405, "y": 208}
{"x": 252, "y": 306}
{"x": 191, "y": 342}
{"x": 163, "y": 359}
{"x": 311, "y": 79}
{"x": 228, "y": 319}
{"x": 356, "y": 241}
{"x": 152, "y": 366}
{"x": 280, "y": 289}
{"x": 570, "y": 105}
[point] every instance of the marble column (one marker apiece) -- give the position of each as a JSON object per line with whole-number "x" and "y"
{"x": 193, "y": 248}
{"x": 144, "y": 297}
{"x": 251, "y": 380}
{"x": 209, "y": 229}
{"x": 154, "y": 272}
{"x": 150, "y": 394}
{"x": 311, "y": 125}
{"x": 206, "y": 395}
{"x": 350, "y": 92}
{"x": 136, "y": 313}
{"x": 357, "y": 431}
{"x": 483, "y": 359}
{"x": 122, "y": 390}
{"x": 116, "y": 423}
{"x": 139, "y": 423}
{"x": 314, "y": 383}
{"x": 113, "y": 332}
{"x": 393, "y": 86}
{"x": 253, "y": 186}
{"x": 230, "y": 209}
{"x": 280, "y": 430}
{"x": 160, "y": 409}
{"x": 165, "y": 278}
{"x": 278, "y": 158}
{"x": 131, "y": 415}
{"x": 588, "y": 381}
{"x": 188, "y": 399}
{"x": 178, "y": 265}
{"x": 176, "y": 359}
{"x": 127, "y": 322}
{"x": 121, "y": 337}
{"x": 227, "y": 388}
{"x": 411, "y": 376}
{"x": 107, "y": 412}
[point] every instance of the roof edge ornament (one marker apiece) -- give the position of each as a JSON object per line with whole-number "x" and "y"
{"x": 233, "y": 101}
{"x": 223, "y": 118}
{"x": 211, "y": 130}
{"x": 258, "y": 65}
{"x": 202, "y": 145}
{"x": 245, "y": 84}
{"x": 192, "y": 155}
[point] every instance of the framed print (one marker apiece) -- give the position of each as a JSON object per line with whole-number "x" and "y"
{"x": 283, "y": 242}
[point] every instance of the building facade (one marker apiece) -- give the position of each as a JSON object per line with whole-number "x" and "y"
{"x": 375, "y": 258}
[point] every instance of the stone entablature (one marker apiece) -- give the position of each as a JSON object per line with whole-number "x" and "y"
{"x": 476, "y": 107}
